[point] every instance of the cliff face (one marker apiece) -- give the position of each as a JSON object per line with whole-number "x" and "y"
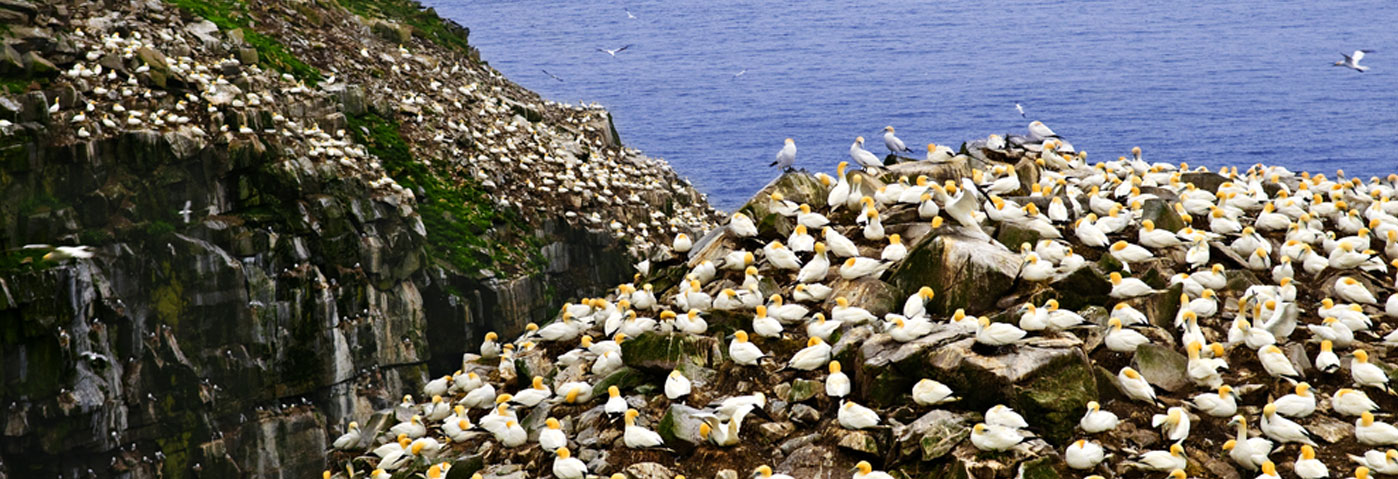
{"x": 295, "y": 209}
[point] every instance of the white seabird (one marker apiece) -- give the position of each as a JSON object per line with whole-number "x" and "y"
{"x": 862, "y": 156}
{"x": 1351, "y": 61}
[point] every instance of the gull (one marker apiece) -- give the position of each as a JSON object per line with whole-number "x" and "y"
{"x": 786, "y": 156}
{"x": 1352, "y": 60}
{"x": 186, "y": 211}
{"x": 555, "y": 77}
{"x": 614, "y": 52}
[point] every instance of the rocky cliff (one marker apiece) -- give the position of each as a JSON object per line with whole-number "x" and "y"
{"x": 294, "y": 209}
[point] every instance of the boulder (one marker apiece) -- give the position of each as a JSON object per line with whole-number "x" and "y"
{"x": 648, "y": 470}
{"x": 662, "y": 353}
{"x": 1162, "y": 367}
{"x": 797, "y": 187}
{"x": 866, "y": 441}
{"x": 931, "y": 436}
{"x": 1048, "y": 380}
{"x": 963, "y": 270}
{"x": 935, "y": 172}
{"x": 681, "y": 423}
{"x": 1160, "y": 212}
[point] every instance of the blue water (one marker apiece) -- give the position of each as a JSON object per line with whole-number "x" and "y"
{"x": 1214, "y": 83}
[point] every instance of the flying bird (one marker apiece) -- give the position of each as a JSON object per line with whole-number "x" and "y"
{"x": 555, "y": 77}
{"x": 736, "y": 75}
{"x": 1352, "y": 60}
{"x": 1020, "y": 109}
{"x": 186, "y": 211}
{"x": 614, "y": 52}
{"x": 628, "y": 13}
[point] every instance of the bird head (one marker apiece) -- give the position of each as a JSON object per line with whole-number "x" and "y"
{"x": 1361, "y": 355}
{"x": 863, "y": 466}
{"x": 842, "y": 302}
{"x": 1116, "y": 278}
{"x": 1130, "y": 373}
{"x": 762, "y": 471}
{"x": 834, "y": 367}
{"x": 888, "y": 128}
{"x": 813, "y": 342}
{"x": 740, "y": 336}
{"x": 1176, "y": 450}
{"x": 562, "y": 452}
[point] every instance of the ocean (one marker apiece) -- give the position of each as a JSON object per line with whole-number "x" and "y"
{"x": 715, "y": 87}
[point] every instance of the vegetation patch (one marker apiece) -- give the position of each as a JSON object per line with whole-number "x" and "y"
{"x": 425, "y": 21}
{"x": 229, "y": 15}
{"x": 465, "y": 231}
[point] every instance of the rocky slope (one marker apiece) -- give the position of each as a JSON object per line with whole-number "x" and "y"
{"x": 1013, "y": 240}
{"x": 295, "y": 208}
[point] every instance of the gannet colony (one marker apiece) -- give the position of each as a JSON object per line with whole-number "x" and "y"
{"x": 1008, "y": 308}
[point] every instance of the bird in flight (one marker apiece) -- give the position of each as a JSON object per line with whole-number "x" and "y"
{"x": 1352, "y": 60}
{"x": 555, "y": 77}
{"x": 736, "y": 75}
{"x": 1020, "y": 109}
{"x": 614, "y": 52}
{"x": 628, "y": 13}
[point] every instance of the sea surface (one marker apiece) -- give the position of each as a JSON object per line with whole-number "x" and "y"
{"x": 1212, "y": 83}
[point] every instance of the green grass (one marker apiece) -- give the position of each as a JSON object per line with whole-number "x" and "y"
{"x": 229, "y": 15}
{"x": 425, "y": 22}
{"x": 462, "y": 221}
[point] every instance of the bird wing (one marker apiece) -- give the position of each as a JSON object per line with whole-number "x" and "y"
{"x": 1357, "y": 55}
{"x": 619, "y": 50}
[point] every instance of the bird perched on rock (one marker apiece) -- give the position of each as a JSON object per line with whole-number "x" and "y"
{"x": 787, "y": 156}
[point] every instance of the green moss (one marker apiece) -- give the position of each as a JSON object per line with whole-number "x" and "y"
{"x": 466, "y": 232}
{"x": 425, "y": 22}
{"x": 159, "y": 228}
{"x": 169, "y": 297}
{"x": 229, "y": 15}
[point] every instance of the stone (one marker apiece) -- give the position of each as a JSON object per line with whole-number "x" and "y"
{"x": 776, "y": 431}
{"x": 1204, "y": 180}
{"x": 1159, "y": 211}
{"x": 12, "y": 62}
{"x": 964, "y": 270}
{"x": 393, "y": 32}
{"x": 247, "y": 56}
{"x": 648, "y": 470}
{"x": 815, "y": 460}
{"x": 662, "y": 353}
{"x": 798, "y": 442}
{"x": 804, "y": 414}
{"x": 936, "y": 173}
{"x": 863, "y": 441}
{"x": 797, "y": 187}
{"x": 465, "y": 467}
{"x": 726, "y": 474}
{"x": 681, "y": 423}
{"x": 1163, "y": 367}
{"x": 931, "y": 436}
{"x": 802, "y": 389}
{"x": 1047, "y": 380}
{"x": 39, "y": 66}
{"x": 1330, "y": 429}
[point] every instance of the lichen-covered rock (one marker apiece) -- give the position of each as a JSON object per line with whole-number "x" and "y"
{"x": 1162, "y": 367}
{"x": 662, "y": 353}
{"x": 964, "y": 270}
{"x": 1047, "y": 380}
{"x": 932, "y": 436}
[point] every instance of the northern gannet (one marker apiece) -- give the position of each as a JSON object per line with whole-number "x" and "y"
{"x": 1351, "y": 61}
{"x": 863, "y": 157}
{"x": 894, "y": 144}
